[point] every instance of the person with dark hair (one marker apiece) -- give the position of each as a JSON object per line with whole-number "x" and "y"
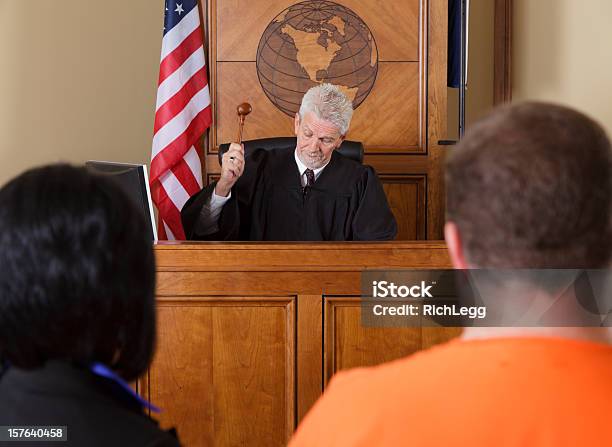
{"x": 77, "y": 315}
{"x": 529, "y": 187}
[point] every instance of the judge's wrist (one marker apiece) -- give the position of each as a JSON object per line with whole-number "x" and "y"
{"x": 222, "y": 189}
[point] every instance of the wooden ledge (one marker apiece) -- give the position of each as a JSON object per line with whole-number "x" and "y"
{"x": 300, "y": 256}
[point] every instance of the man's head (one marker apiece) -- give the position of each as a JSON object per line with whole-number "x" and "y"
{"x": 78, "y": 279}
{"x": 529, "y": 186}
{"x": 321, "y": 124}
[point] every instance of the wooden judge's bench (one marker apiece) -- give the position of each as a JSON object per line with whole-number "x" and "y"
{"x": 250, "y": 334}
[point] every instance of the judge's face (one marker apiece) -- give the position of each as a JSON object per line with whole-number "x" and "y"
{"x": 316, "y": 140}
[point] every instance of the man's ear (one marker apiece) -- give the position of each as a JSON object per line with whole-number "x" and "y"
{"x": 455, "y": 246}
{"x": 340, "y": 140}
{"x": 296, "y": 123}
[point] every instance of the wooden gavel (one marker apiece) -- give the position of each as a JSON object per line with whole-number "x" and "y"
{"x": 243, "y": 110}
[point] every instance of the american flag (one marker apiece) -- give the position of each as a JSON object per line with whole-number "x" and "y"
{"x": 182, "y": 115}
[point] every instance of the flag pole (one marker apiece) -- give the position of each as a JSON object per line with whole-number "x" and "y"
{"x": 463, "y": 58}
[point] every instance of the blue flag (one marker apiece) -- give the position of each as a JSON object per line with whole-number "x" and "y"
{"x": 454, "y": 44}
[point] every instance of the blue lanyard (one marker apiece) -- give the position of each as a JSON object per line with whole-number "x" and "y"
{"x": 104, "y": 371}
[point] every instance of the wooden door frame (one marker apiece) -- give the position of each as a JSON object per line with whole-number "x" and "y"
{"x": 502, "y": 65}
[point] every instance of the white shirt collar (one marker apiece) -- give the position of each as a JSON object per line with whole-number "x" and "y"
{"x": 302, "y": 167}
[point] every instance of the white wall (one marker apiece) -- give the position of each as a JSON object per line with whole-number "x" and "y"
{"x": 563, "y": 53}
{"x": 78, "y": 81}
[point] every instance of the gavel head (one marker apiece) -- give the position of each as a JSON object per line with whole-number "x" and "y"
{"x": 244, "y": 109}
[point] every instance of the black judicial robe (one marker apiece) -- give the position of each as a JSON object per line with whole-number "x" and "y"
{"x": 96, "y": 412}
{"x": 346, "y": 203}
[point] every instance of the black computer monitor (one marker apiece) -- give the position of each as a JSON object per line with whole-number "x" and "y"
{"x": 133, "y": 179}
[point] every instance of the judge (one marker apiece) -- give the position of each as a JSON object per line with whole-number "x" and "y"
{"x": 309, "y": 193}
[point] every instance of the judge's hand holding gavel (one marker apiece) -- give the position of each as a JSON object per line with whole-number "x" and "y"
{"x": 232, "y": 162}
{"x": 232, "y": 167}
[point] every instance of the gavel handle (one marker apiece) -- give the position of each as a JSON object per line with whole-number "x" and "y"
{"x": 240, "y": 127}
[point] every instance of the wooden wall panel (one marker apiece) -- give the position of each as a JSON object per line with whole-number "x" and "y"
{"x": 240, "y": 24}
{"x": 224, "y": 369}
{"x": 309, "y": 352}
{"x": 348, "y": 344}
{"x": 182, "y": 368}
{"x": 406, "y": 196}
{"x": 502, "y": 83}
{"x": 388, "y": 120}
{"x": 437, "y": 50}
{"x": 237, "y": 83}
{"x": 400, "y": 122}
{"x": 394, "y": 24}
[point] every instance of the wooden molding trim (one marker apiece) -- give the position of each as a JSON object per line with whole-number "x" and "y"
{"x": 300, "y": 257}
{"x": 502, "y": 82}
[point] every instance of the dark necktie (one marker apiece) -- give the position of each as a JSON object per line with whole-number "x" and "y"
{"x": 310, "y": 179}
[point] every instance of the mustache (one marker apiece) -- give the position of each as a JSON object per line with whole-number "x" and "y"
{"x": 315, "y": 154}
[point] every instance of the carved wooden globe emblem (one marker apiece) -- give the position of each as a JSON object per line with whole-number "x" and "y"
{"x": 314, "y": 42}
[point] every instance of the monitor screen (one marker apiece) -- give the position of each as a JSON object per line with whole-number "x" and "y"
{"x": 133, "y": 179}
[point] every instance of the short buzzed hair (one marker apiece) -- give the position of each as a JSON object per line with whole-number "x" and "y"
{"x": 529, "y": 186}
{"x": 329, "y": 103}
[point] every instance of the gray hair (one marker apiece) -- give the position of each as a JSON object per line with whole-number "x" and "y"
{"x": 329, "y": 103}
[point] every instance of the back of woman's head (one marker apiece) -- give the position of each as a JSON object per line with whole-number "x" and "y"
{"x": 76, "y": 273}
